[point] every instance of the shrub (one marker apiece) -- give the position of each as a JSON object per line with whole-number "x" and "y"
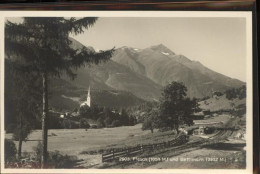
{"x": 132, "y": 120}
{"x": 206, "y": 112}
{"x": 238, "y": 112}
{"x": 218, "y": 93}
{"x": 10, "y": 151}
{"x": 148, "y": 124}
{"x": 231, "y": 94}
{"x": 115, "y": 123}
{"x": 69, "y": 124}
{"x": 84, "y": 123}
{"x": 55, "y": 122}
{"x": 38, "y": 151}
{"x": 108, "y": 121}
{"x": 236, "y": 93}
{"x": 100, "y": 123}
{"x": 209, "y": 130}
{"x": 55, "y": 159}
{"x": 93, "y": 126}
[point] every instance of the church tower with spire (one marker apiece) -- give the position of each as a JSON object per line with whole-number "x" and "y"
{"x": 88, "y": 97}
{"x": 88, "y": 101}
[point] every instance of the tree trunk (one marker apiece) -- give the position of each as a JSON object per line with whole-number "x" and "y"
{"x": 44, "y": 120}
{"x": 20, "y": 138}
{"x": 177, "y": 124}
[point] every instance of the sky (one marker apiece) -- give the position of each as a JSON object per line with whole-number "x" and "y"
{"x": 218, "y": 43}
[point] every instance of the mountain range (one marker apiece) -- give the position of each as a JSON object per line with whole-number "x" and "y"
{"x": 144, "y": 73}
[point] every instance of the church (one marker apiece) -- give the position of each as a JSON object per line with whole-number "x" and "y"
{"x": 88, "y": 101}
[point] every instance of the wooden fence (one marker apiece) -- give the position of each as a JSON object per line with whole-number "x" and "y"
{"x": 126, "y": 152}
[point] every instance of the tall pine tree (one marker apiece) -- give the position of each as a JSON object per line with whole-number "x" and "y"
{"x": 22, "y": 101}
{"x": 42, "y": 45}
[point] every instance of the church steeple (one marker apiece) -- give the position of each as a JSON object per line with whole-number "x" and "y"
{"x": 88, "y": 101}
{"x": 88, "y": 97}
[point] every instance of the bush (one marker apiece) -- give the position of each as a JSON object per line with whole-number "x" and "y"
{"x": 108, "y": 121}
{"x": 93, "y": 126}
{"x": 132, "y": 120}
{"x": 209, "y": 130}
{"x": 69, "y": 124}
{"x": 206, "y": 112}
{"x": 236, "y": 93}
{"x": 231, "y": 94}
{"x": 84, "y": 123}
{"x": 238, "y": 112}
{"x": 218, "y": 93}
{"x": 115, "y": 123}
{"x": 10, "y": 151}
{"x": 100, "y": 123}
{"x": 38, "y": 151}
{"x": 55, "y": 159}
{"x": 148, "y": 124}
{"x": 55, "y": 122}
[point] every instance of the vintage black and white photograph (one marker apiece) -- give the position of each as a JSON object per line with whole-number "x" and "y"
{"x": 126, "y": 92}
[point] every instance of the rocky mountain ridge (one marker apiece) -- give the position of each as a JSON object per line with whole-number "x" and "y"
{"x": 144, "y": 73}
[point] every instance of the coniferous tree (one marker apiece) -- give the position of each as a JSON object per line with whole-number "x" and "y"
{"x": 42, "y": 45}
{"x": 22, "y": 103}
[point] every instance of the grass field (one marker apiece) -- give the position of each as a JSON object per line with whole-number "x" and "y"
{"x": 74, "y": 141}
{"x": 218, "y": 103}
{"x": 85, "y": 144}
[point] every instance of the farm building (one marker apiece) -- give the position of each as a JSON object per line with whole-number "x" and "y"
{"x": 199, "y": 131}
{"x": 206, "y": 128}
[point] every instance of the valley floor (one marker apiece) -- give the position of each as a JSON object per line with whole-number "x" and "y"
{"x": 86, "y": 145}
{"x": 75, "y": 141}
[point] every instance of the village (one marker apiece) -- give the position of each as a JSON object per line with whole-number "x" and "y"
{"x": 210, "y": 127}
{"x": 205, "y": 122}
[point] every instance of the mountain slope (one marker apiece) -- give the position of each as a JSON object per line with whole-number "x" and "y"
{"x": 114, "y": 76}
{"x": 162, "y": 66}
{"x": 144, "y": 72}
{"x": 65, "y": 96}
{"x": 111, "y": 75}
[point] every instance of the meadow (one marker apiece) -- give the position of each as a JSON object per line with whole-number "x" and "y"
{"x": 74, "y": 141}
